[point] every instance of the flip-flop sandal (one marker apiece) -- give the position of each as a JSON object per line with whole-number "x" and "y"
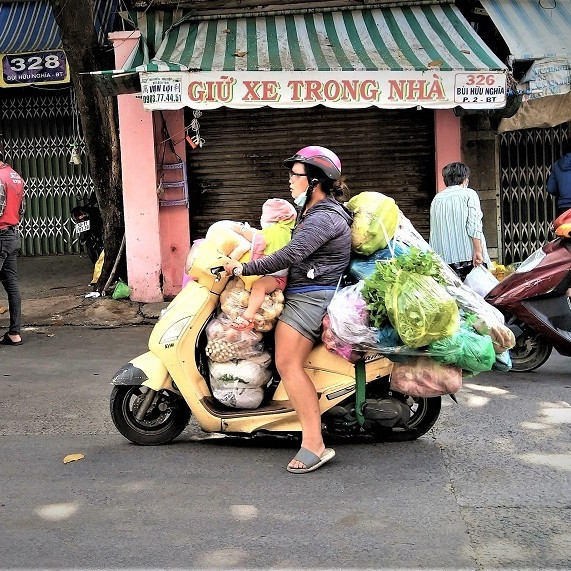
{"x": 312, "y": 461}
{"x": 7, "y": 341}
{"x": 242, "y": 324}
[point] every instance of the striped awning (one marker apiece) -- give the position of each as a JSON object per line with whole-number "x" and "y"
{"x": 416, "y": 38}
{"x": 431, "y": 47}
{"x": 532, "y": 29}
{"x": 30, "y": 26}
{"x": 30, "y": 43}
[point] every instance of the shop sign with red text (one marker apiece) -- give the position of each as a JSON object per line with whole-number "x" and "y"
{"x": 343, "y": 89}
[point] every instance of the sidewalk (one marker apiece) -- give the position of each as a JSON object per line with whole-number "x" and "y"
{"x": 53, "y": 293}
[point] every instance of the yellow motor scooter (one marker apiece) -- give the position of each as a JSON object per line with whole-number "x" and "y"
{"x": 155, "y": 394}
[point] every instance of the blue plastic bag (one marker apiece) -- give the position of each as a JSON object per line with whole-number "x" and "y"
{"x": 362, "y": 268}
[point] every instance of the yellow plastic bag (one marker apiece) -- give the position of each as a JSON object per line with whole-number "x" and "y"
{"x": 420, "y": 309}
{"x": 375, "y": 219}
{"x": 98, "y": 268}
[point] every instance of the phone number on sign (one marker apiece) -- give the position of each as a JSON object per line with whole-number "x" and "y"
{"x": 162, "y": 98}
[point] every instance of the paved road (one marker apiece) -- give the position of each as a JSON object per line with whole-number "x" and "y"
{"x": 487, "y": 488}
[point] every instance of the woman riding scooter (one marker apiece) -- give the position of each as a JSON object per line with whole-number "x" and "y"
{"x": 316, "y": 258}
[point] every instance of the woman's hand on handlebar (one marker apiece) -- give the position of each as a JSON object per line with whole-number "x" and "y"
{"x": 231, "y": 265}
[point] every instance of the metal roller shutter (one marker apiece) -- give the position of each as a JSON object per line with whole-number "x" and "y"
{"x": 240, "y": 164}
{"x": 38, "y": 128}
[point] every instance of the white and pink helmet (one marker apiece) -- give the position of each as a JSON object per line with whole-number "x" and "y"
{"x": 320, "y": 157}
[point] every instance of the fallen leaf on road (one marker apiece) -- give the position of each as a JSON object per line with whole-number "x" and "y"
{"x": 3, "y": 309}
{"x": 72, "y": 458}
{"x": 435, "y": 63}
{"x": 240, "y": 54}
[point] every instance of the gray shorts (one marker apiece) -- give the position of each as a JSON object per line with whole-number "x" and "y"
{"x": 305, "y": 311}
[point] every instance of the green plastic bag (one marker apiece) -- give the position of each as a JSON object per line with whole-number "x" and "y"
{"x": 375, "y": 219}
{"x": 420, "y": 309}
{"x": 121, "y": 291}
{"x": 466, "y": 349}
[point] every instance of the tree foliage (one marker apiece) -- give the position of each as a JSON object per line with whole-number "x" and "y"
{"x": 99, "y": 118}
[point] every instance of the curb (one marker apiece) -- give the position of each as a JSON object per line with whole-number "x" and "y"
{"x": 87, "y": 312}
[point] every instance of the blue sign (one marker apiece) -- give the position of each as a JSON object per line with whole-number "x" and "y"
{"x": 34, "y": 67}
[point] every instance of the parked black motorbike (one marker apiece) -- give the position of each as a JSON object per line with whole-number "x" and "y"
{"x": 88, "y": 226}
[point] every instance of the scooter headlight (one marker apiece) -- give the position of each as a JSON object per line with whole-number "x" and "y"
{"x": 531, "y": 262}
{"x": 174, "y": 331}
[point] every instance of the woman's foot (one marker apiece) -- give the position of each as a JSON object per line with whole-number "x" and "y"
{"x": 11, "y": 339}
{"x": 242, "y": 323}
{"x": 307, "y": 461}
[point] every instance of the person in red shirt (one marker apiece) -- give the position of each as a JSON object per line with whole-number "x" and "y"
{"x": 11, "y": 210}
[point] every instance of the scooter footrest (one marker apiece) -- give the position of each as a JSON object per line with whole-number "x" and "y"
{"x": 218, "y": 409}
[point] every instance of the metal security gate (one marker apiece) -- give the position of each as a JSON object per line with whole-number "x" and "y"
{"x": 526, "y": 208}
{"x": 240, "y": 164}
{"x": 38, "y": 130}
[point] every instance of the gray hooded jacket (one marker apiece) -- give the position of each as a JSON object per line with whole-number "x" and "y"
{"x": 318, "y": 252}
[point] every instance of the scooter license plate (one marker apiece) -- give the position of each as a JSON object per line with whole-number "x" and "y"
{"x": 82, "y": 226}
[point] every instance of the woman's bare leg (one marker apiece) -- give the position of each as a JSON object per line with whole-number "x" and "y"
{"x": 260, "y": 288}
{"x": 292, "y": 349}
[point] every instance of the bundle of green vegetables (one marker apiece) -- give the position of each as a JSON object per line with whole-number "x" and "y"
{"x": 407, "y": 290}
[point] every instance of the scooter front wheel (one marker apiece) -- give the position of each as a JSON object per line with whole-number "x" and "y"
{"x": 165, "y": 418}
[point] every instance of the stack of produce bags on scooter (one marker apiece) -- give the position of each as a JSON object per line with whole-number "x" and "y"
{"x": 238, "y": 363}
{"x": 409, "y": 305}
{"x": 239, "y": 366}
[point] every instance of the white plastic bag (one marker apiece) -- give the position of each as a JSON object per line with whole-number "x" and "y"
{"x": 240, "y": 397}
{"x": 246, "y": 372}
{"x": 481, "y": 280}
{"x": 471, "y": 302}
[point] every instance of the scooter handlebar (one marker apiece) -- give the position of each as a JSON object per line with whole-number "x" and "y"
{"x": 217, "y": 271}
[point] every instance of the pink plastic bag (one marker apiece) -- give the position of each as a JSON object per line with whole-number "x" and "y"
{"x": 424, "y": 377}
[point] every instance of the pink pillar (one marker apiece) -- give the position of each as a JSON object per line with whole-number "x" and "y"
{"x": 139, "y": 188}
{"x": 447, "y": 142}
{"x": 174, "y": 220}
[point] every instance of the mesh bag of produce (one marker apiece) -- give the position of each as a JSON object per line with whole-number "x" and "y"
{"x": 227, "y": 344}
{"x": 424, "y": 377}
{"x": 420, "y": 309}
{"x": 234, "y": 300}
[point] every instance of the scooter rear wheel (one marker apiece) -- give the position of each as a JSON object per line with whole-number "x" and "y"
{"x": 163, "y": 421}
{"x": 424, "y": 413}
{"x": 530, "y": 352}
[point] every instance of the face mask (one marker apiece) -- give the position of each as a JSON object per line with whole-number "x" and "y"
{"x": 300, "y": 200}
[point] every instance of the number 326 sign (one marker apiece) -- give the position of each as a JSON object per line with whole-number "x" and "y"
{"x": 34, "y": 67}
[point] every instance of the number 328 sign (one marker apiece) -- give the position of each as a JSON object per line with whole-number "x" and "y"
{"x": 34, "y": 67}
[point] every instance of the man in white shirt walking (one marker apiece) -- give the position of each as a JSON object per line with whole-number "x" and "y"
{"x": 456, "y": 232}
